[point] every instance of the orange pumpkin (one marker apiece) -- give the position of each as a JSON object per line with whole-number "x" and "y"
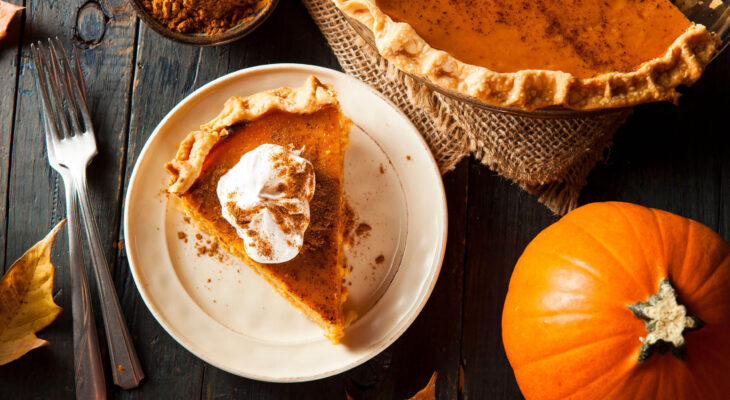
{"x": 619, "y": 301}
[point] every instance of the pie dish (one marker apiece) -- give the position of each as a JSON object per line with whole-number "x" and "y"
{"x": 530, "y": 55}
{"x": 307, "y": 118}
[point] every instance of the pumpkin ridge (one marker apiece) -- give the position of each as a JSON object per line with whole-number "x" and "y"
{"x": 547, "y": 357}
{"x": 702, "y": 371}
{"x": 574, "y": 394}
{"x": 710, "y": 293}
{"x": 576, "y": 262}
{"x": 712, "y": 274}
{"x": 695, "y": 386}
{"x": 633, "y": 230}
{"x": 687, "y": 241}
{"x": 659, "y": 229}
{"x": 627, "y": 382}
{"x": 625, "y": 268}
{"x": 554, "y": 314}
{"x": 659, "y": 385}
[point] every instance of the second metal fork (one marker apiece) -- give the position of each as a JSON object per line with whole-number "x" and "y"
{"x": 74, "y": 146}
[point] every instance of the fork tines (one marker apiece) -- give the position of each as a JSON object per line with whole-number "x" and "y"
{"x": 62, "y": 90}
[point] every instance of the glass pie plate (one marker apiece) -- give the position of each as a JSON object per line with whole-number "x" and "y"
{"x": 714, "y": 14}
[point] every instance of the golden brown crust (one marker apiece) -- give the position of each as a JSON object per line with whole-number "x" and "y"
{"x": 188, "y": 162}
{"x": 655, "y": 80}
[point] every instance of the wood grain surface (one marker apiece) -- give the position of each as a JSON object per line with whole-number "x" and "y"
{"x": 673, "y": 158}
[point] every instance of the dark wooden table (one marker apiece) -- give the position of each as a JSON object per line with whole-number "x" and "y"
{"x": 673, "y": 158}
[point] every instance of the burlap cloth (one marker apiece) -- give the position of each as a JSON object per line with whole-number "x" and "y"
{"x": 549, "y": 158}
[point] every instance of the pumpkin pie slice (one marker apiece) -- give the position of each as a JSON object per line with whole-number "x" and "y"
{"x": 528, "y": 54}
{"x": 309, "y": 122}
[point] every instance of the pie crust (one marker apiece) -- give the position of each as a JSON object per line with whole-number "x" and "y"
{"x": 654, "y": 80}
{"x": 308, "y": 118}
{"x": 188, "y": 162}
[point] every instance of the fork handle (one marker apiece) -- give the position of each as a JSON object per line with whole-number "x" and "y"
{"x": 126, "y": 368}
{"x": 88, "y": 369}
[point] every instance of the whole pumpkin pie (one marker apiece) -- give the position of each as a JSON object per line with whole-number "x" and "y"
{"x": 580, "y": 54}
{"x": 268, "y": 170}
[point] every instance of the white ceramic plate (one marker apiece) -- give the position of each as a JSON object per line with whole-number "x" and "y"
{"x": 221, "y": 311}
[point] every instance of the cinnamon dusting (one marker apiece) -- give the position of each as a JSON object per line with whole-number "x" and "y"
{"x": 204, "y": 247}
{"x": 297, "y": 181}
{"x": 348, "y": 224}
{"x": 363, "y": 229}
{"x": 212, "y": 250}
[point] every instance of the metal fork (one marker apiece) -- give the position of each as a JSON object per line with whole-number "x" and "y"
{"x": 88, "y": 370}
{"x": 74, "y": 146}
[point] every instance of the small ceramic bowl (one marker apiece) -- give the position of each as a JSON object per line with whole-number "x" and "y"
{"x": 199, "y": 39}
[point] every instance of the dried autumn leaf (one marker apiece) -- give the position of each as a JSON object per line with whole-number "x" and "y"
{"x": 26, "y": 301}
{"x": 429, "y": 392}
{"x": 7, "y": 12}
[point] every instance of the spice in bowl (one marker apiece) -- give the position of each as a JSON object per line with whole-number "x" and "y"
{"x": 207, "y": 17}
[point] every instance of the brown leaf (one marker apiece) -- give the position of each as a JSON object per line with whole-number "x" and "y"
{"x": 7, "y": 12}
{"x": 26, "y": 300}
{"x": 429, "y": 392}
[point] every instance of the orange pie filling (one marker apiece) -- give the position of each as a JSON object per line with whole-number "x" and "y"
{"x": 582, "y": 37}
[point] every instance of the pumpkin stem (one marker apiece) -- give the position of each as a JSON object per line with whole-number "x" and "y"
{"x": 666, "y": 321}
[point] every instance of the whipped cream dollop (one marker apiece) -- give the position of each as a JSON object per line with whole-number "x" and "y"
{"x": 266, "y": 196}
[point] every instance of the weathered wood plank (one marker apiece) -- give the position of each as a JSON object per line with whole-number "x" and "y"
{"x": 32, "y": 210}
{"x": 36, "y": 198}
{"x": 105, "y": 32}
{"x": 9, "y": 57}
{"x": 502, "y": 220}
{"x": 107, "y": 66}
{"x": 14, "y": 243}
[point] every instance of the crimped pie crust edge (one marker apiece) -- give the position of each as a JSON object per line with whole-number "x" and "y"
{"x": 655, "y": 80}
{"x": 185, "y": 168}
